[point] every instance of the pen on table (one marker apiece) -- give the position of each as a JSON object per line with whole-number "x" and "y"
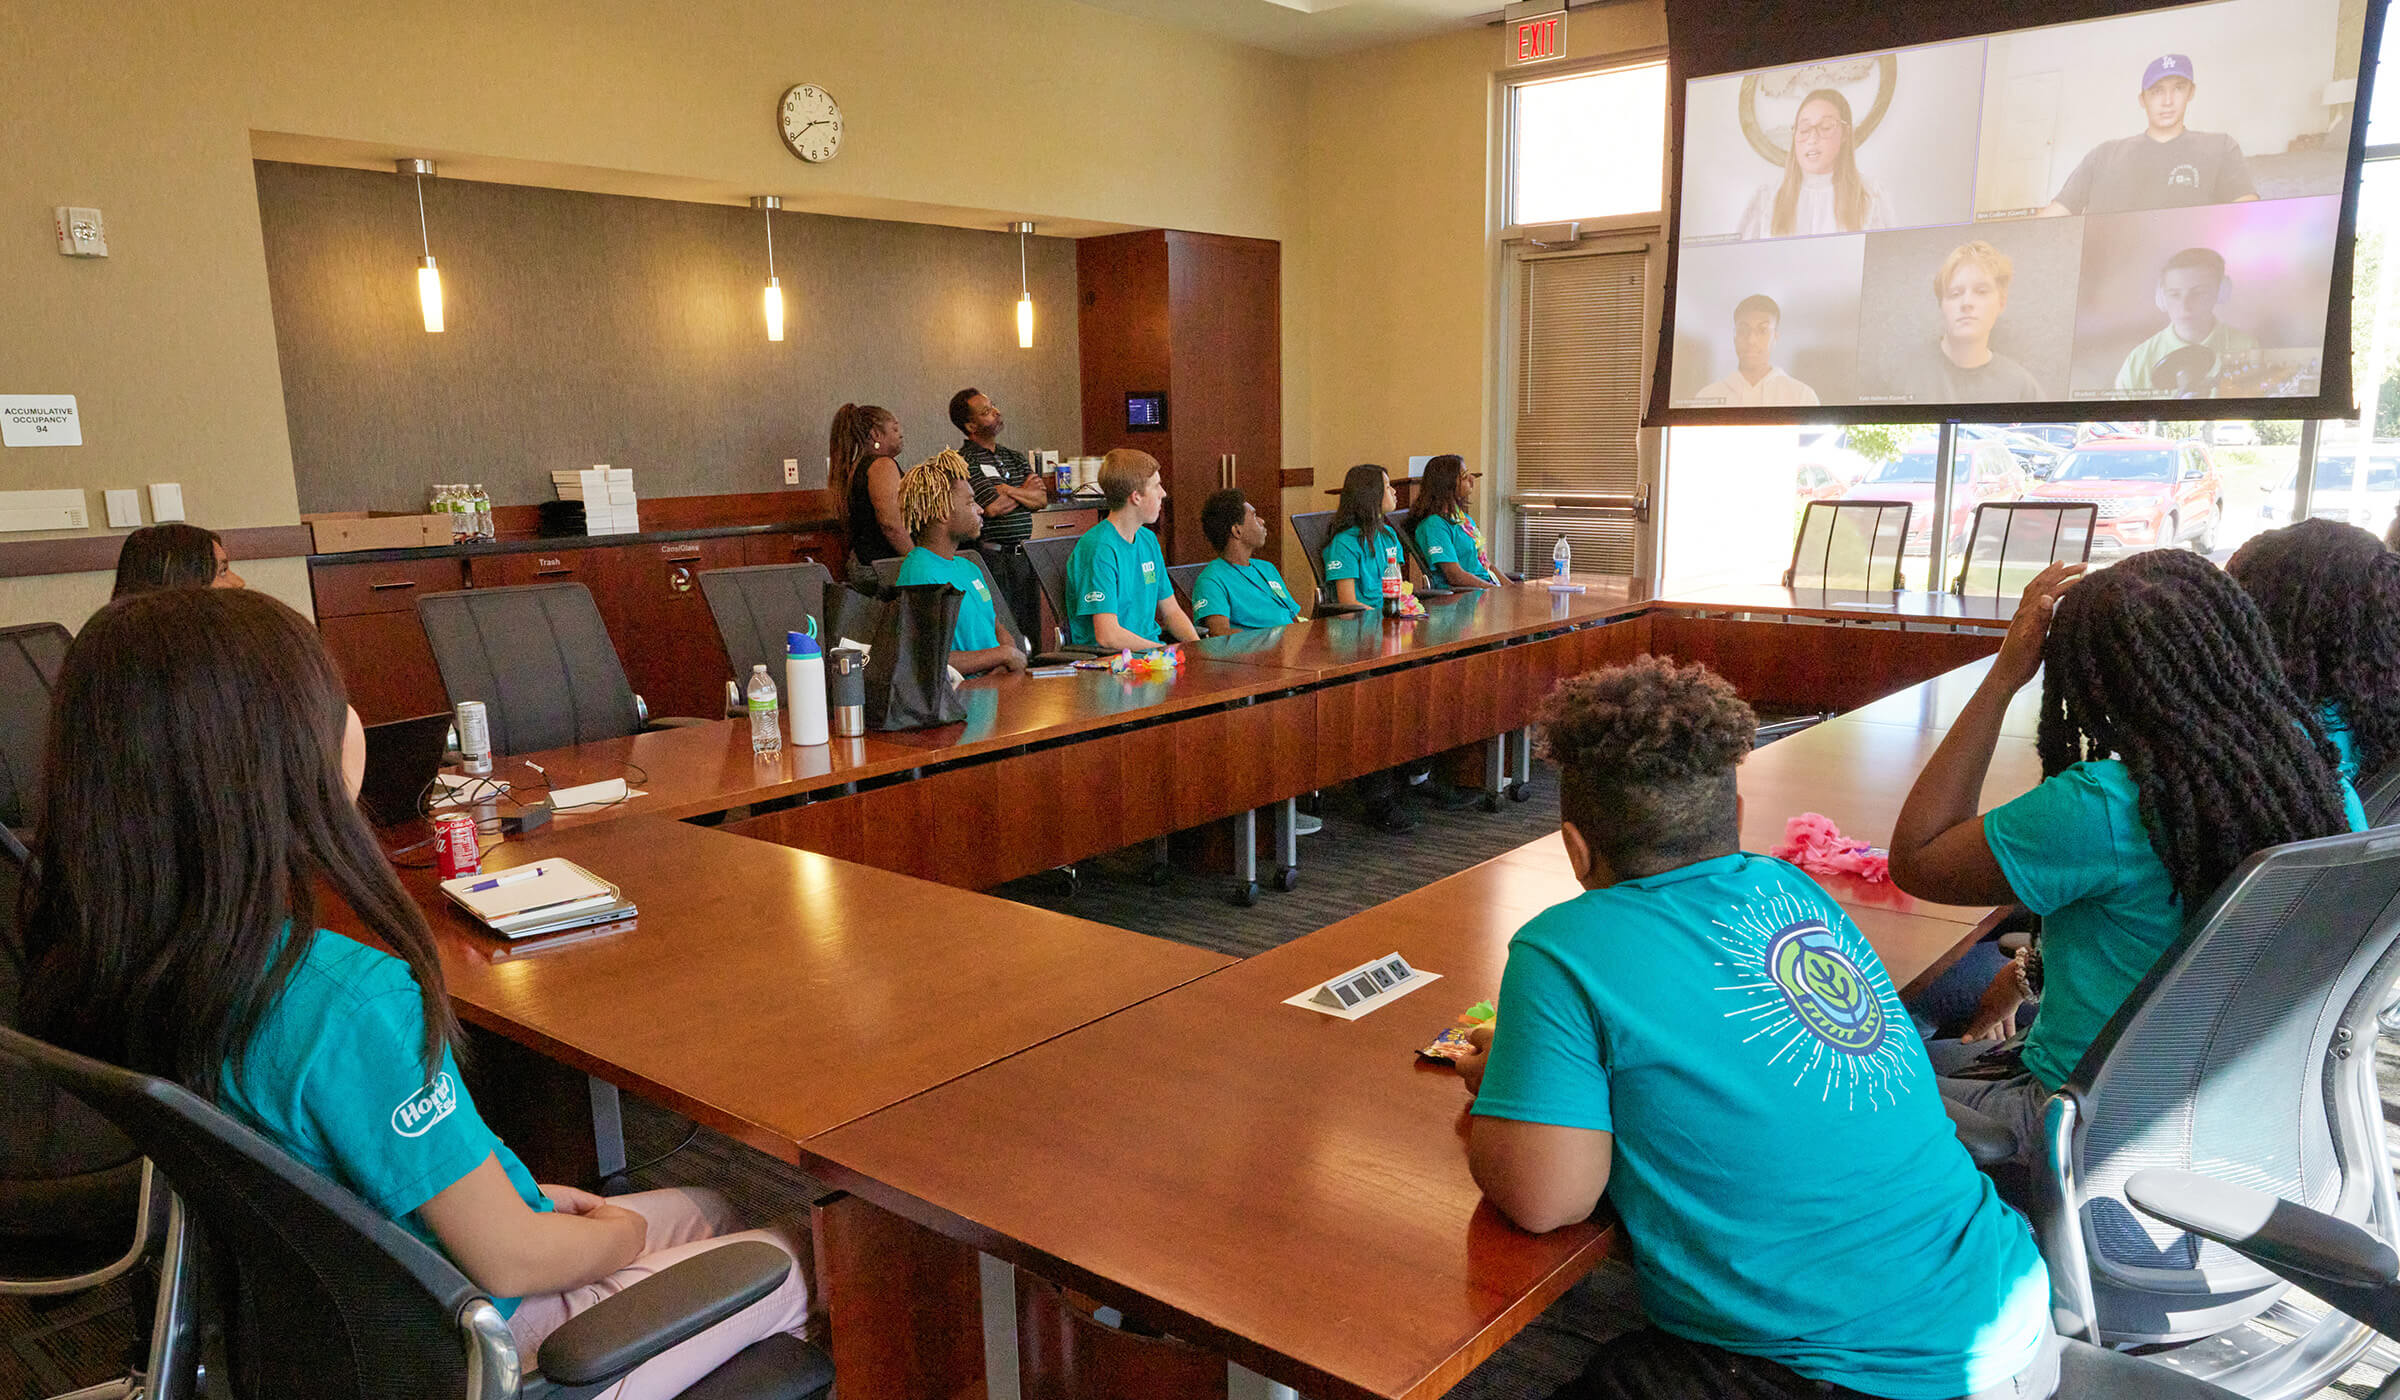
{"x": 535, "y": 766}
{"x": 509, "y": 878}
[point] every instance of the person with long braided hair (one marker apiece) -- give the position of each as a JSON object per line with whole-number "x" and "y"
{"x": 2172, "y": 750}
{"x": 2331, "y": 595}
{"x": 940, "y": 509}
{"x": 863, "y": 458}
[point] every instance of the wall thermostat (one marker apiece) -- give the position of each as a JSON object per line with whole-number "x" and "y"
{"x": 80, "y": 233}
{"x": 1146, "y": 413}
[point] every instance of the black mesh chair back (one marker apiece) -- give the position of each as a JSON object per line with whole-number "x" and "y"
{"x": 2380, "y": 795}
{"x": 29, "y": 660}
{"x": 1049, "y": 560}
{"x": 1313, "y": 528}
{"x": 2246, "y": 1054}
{"x": 1183, "y": 578}
{"x": 887, "y": 573}
{"x": 2011, "y": 541}
{"x": 1849, "y": 544}
{"x": 1433, "y": 581}
{"x": 756, "y": 606}
{"x": 319, "y": 1296}
{"x": 539, "y": 659}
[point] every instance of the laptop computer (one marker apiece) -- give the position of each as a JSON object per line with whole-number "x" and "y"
{"x": 402, "y": 758}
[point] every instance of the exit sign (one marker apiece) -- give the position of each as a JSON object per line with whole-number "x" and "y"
{"x": 1537, "y": 39}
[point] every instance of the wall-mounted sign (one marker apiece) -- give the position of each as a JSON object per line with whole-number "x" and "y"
{"x": 39, "y": 420}
{"x": 1536, "y": 38}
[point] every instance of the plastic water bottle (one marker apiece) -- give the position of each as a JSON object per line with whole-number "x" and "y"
{"x": 804, "y": 680}
{"x": 766, "y": 726}
{"x": 1561, "y": 557}
{"x": 1391, "y": 586}
{"x": 482, "y": 501}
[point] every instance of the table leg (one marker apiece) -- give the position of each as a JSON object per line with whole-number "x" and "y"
{"x": 1287, "y": 844}
{"x": 1495, "y": 771}
{"x": 1242, "y": 1383}
{"x": 608, "y": 1128}
{"x": 1521, "y": 771}
{"x": 1000, "y": 1380}
{"x": 906, "y": 1305}
{"x": 1245, "y": 857}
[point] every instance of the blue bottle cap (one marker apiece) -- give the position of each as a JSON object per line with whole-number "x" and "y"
{"x": 800, "y": 645}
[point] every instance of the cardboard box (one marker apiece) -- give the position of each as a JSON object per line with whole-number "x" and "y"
{"x": 342, "y": 531}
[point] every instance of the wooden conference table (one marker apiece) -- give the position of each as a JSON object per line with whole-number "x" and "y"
{"x": 1290, "y": 1190}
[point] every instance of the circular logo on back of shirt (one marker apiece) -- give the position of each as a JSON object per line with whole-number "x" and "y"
{"x": 1825, "y": 988}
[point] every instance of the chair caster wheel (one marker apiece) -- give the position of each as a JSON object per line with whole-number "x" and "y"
{"x": 1070, "y": 880}
{"x": 1246, "y": 894}
{"x": 1287, "y": 879}
{"x": 1158, "y": 876}
{"x": 1520, "y": 792}
{"x": 1491, "y": 802}
{"x": 616, "y": 1184}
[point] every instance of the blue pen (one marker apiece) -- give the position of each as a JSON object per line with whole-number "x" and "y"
{"x": 510, "y": 877}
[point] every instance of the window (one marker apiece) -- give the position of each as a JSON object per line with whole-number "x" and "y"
{"x": 1588, "y": 146}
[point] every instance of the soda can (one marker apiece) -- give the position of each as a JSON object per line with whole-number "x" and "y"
{"x": 474, "y": 737}
{"x": 455, "y": 852}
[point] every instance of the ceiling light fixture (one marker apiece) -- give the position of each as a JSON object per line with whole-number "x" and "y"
{"x": 429, "y": 280}
{"x": 768, "y": 204}
{"x": 1025, "y": 289}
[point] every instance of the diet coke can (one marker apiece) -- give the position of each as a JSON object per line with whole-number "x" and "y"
{"x": 455, "y": 852}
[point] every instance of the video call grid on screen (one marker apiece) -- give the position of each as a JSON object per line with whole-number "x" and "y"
{"x": 2138, "y": 208}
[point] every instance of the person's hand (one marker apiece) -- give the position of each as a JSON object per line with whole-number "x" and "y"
{"x": 1470, "y": 1067}
{"x": 1014, "y": 662}
{"x": 634, "y": 1226}
{"x": 2021, "y": 654}
{"x": 572, "y": 1200}
{"x": 1995, "y": 1016}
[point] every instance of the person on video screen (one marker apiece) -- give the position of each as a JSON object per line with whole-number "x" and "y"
{"x": 2166, "y": 166}
{"x": 1820, "y": 190}
{"x": 1970, "y": 290}
{"x": 1755, "y": 382}
{"x": 2191, "y": 286}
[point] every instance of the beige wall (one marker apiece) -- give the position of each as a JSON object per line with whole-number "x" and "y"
{"x": 1040, "y": 109}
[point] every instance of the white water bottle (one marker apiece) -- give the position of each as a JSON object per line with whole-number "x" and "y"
{"x": 804, "y": 681}
{"x": 1561, "y": 556}
{"x": 766, "y": 726}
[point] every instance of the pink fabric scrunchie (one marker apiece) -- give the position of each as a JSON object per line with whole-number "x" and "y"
{"x": 1812, "y": 842}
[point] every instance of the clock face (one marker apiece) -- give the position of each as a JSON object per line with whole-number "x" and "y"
{"x": 811, "y": 121}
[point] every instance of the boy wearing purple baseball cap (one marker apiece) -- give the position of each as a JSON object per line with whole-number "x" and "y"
{"x": 2167, "y": 166}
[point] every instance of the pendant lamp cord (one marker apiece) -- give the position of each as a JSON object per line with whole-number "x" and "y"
{"x": 422, "y": 234}
{"x": 1024, "y": 286}
{"x": 770, "y": 243}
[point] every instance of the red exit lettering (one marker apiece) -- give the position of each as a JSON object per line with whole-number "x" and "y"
{"x": 1540, "y": 39}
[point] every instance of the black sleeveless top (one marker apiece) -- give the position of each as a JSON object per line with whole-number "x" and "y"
{"x": 867, "y": 541}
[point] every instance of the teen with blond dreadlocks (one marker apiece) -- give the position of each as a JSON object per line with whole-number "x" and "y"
{"x": 2172, "y": 750}
{"x": 2331, "y": 595}
{"x": 939, "y": 508}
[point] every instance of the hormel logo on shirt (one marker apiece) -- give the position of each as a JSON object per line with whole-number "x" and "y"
{"x": 1095, "y": 596}
{"x": 1148, "y": 568}
{"x": 1276, "y": 585}
{"x": 428, "y": 1106}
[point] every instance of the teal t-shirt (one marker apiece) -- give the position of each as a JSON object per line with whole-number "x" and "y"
{"x": 1445, "y": 541}
{"x": 1250, "y": 596}
{"x": 1789, "y": 1182}
{"x": 977, "y": 629}
{"x": 2076, "y": 852}
{"x": 2337, "y": 730}
{"x": 336, "y": 1077}
{"x": 1348, "y": 555}
{"x": 1108, "y": 573}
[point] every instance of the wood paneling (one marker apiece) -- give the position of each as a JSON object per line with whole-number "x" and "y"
{"x": 386, "y": 664}
{"x": 1792, "y": 666}
{"x": 88, "y": 554}
{"x": 1064, "y": 1353}
{"x": 905, "y": 1304}
{"x": 591, "y": 328}
{"x": 663, "y": 629}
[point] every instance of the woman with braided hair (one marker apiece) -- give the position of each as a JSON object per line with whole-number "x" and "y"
{"x": 939, "y": 508}
{"x": 2172, "y": 750}
{"x": 2331, "y": 595}
{"x": 863, "y": 455}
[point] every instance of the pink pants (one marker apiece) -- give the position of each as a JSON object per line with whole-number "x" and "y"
{"x": 684, "y": 1221}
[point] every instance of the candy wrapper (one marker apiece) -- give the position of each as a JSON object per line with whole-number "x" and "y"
{"x": 1453, "y": 1044}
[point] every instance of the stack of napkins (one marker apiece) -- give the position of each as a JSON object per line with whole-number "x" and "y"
{"x": 606, "y": 492}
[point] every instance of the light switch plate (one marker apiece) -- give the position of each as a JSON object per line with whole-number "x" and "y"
{"x": 166, "y": 501}
{"x": 791, "y": 471}
{"x": 124, "y": 509}
{"x": 80, "y": 232}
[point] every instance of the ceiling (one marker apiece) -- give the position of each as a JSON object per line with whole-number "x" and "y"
{"x": 1311, "y": 28}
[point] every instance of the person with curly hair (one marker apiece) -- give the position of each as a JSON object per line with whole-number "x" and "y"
{"x": 2331, "y": 595}
{"x": 1444, "y": 529}
{"x": 939, "y": 507}
{"x": 1707, "y": 1038}
{"x": 2172, "y": 750}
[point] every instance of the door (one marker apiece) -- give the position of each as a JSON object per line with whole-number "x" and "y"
{"x": 1577, "y": 465}
{"x": 1225, "y": 398}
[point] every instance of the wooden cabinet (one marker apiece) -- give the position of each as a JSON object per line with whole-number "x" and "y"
{"x": 663, "y": 629}
{"x": 367, "y": 614}
{"x": 1197, "y": 317}
{"x": 806, "y": 547}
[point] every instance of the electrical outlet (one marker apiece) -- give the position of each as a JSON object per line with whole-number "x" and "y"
{"x": 791, "y": 471}
{"x": 80, "y": 232}
{"x": 124, "y": 509}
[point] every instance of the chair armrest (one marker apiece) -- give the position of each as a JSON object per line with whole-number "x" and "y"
{"x": 674, "y": 1305}
{"x": 1988, "y": 1140}
{"x": 2282, "y": 1236}
{"x": 1340, "y": 609}
{"x": 735, "y": 707}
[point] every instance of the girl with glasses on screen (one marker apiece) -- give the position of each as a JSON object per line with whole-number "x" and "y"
{"x": 1821, "y": 190}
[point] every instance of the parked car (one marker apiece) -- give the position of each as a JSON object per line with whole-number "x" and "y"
{"x": 2059, "y": 436}
{"x": 2150, "y": 491}
{"x": 1982, "y": 470}
{"x": 2233, "y": 434}
{"x": 2332, "y": 497}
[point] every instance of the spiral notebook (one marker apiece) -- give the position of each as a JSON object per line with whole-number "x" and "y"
{"x": 543, "y": 896}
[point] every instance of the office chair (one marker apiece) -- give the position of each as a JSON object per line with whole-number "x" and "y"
{"x": 1431, "y": 583}
{"x": 539, "y": 658}
{"x": 2269, "y": 998}
{"x": 1183, "y": 578}
{"x": 1845, "y": 544}
{"x": 756, "y": 606}
{"x": 1049, "y": 560}
{"x": 30, "y": 656}
{"x": 1313, "y": 528}
{"x": 2380, "y": 795}
{"x": 2011, "y": 541}
{"x": 317, "y": 1295}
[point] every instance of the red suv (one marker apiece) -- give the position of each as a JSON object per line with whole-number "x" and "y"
{"x": 1982, "y": 470}
{"x": 2150, "y": 491}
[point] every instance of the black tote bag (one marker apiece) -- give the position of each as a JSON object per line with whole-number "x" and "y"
{"x": 908, "y": 673}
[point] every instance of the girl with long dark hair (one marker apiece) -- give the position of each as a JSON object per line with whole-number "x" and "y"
{"x": 200, "y": 785}
{"x": 173, "y": 555}
{"x": 1361, "y": 543}
{"x": 1821, "y": 189}
{"x": 2172, "y": 750}
{"x": 863, "y": 453}
{"x": 1443, "y": 528}
{"x": 2331, "y": 596}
